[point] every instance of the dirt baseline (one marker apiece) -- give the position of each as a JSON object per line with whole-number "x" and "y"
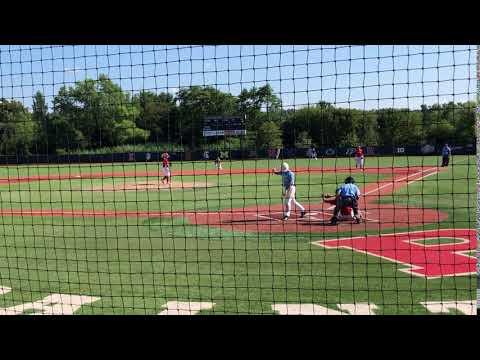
{"x": 268, "y": 218}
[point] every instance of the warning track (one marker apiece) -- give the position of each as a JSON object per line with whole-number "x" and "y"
{"x": 268, "y": 218}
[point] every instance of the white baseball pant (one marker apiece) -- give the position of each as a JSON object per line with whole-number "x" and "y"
{"x": 289, "y": 197}
{"x": 360, "y": 161}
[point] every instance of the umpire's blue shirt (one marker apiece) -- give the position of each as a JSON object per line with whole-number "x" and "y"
{"x": 288, "y": 178}
{"x": 349, "y": 190}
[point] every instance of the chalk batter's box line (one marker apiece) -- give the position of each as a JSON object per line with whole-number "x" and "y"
{"x": 267, "y": 217}
{"x": 308, "y": 217}
{"x": 264, "y": 216}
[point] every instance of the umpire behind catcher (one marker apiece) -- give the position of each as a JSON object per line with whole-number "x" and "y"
{"x": 347, "y": 195}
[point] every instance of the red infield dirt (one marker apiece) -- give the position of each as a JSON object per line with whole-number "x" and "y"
{"x": 268, "y": 218}
{"x": 377, "y": 216}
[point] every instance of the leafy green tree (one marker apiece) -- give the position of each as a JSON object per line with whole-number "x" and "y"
{"x": 17, "y": 130}
{"x": 327, "y": 125}
{"x": 463, "y": 121}
{"x": 158, "y": 114}
{"x": 441, "y": 132}
{"x": 63, "y": 137}
{"x": 98, "y": 113}
{"x": 398, "y": 127}
{"x": 309, "y": 120}
{"x": 269, "y": 135}
{"x": 449, "y": 122}
{"x": 253, "y": 101}
{"x": 101, "y": 111}
{"x": 259, "y": 105}
{"x": 40, "y": 117}
{"x": 430, "y": 115}
{"x": 194, "y": 104}
{"x": 365, "y": 127}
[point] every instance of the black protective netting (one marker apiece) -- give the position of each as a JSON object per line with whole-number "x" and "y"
{"x": 235, "y": 179}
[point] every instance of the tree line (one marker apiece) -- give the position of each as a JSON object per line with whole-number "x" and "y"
{"x": 94, "y": 114}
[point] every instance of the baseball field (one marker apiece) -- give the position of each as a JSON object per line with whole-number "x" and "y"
{"x": 112, "y": 239}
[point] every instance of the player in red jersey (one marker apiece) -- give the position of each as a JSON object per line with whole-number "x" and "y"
{"x": 166, "y": 167}
{"x": 359, "y": 158}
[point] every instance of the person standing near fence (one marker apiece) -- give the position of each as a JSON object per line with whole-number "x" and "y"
{"x": 446, "y": 152}
{"x": 277, "y": 155}
{"x": 218, "y": 163}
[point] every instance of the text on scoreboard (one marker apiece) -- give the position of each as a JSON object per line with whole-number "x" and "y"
{"x": 224, "y": 126}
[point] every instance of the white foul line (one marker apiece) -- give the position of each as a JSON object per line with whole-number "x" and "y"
{"x": 401, "y": 179}
{"x": 423, "y": 177}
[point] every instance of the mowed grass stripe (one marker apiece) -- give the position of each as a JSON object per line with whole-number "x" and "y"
{"x": 136, "y": 266}
{"x": 236, "y": 191}
{"x": 13, "y": 171}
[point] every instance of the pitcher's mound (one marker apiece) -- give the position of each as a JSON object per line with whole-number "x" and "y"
{"x": 151, "y": 185}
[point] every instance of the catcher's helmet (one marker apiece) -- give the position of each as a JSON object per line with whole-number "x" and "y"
{"x": 349, "y": 180}
{"x": 285, "y": 166}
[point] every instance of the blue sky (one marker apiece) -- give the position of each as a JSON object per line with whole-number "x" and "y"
{"x": 364, "y": 77}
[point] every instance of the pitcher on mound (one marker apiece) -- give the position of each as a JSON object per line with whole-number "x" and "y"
{"x": 288, "y": 191}
{"x": 359, "y": 158}
{"x": 166, "y": 167}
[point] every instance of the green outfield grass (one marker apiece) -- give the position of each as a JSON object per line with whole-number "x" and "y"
{"x": 453, "y": 191}
{"x": 387, "y": 161}
{"x": 136, "y": 265}
{"x": 236, "y": 191}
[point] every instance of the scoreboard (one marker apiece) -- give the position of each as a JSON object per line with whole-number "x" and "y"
{"x": 224, "y": 126}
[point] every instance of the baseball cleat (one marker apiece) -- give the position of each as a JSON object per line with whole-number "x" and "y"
{"x": 334, "y": 221}
{"x": 303, "y": 213}
{"x": 285, "y": 218}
